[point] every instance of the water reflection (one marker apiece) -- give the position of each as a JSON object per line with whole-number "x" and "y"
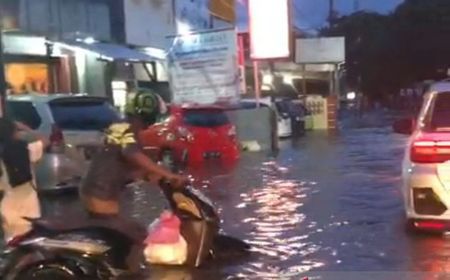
{"x": 324, "y": 204}
{"x": 274, "y": 212}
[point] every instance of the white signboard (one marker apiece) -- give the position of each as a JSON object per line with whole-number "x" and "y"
{"x": 24, "y": 45}
{"x": 203, "y": 68}
{"x": 320, "y": 50}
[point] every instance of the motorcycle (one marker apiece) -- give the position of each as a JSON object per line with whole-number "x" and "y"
{"x": 92, "y": 250}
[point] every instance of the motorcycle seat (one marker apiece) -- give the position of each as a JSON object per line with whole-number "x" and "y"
{"x": 127, "y": 228}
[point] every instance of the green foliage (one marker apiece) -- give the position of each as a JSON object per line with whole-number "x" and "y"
{"x": 386, "y": 52}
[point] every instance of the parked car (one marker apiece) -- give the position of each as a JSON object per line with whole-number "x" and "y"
{"x": 296, "y": 111}
{"x": 74, "y": 125}
{"x": 426, "y": 165}
{"x": 191, "y": 135}
{"x": 283, "y": 118}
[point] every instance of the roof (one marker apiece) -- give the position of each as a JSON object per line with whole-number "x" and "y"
{"x": 36, "y": 97}
{"x": 109, "y": 51}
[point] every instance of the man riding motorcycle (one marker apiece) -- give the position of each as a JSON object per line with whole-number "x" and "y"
{"x": 122, "y": 161}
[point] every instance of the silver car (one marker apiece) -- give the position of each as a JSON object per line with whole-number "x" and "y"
{"x": 426, "y": 165}
{"x": 73, "y": 123}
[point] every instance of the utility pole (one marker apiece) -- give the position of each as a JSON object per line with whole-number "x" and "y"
{"x": 331, "y": 12}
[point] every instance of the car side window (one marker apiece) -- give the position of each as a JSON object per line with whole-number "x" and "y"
{"x": 23, "y": 111}
{"x": 437, "y": 114}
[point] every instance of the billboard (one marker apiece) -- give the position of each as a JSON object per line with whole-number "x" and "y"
{"x": 203, "y": 68}
{"x": 269, "y": 28}
{"x": 320, "y": 50}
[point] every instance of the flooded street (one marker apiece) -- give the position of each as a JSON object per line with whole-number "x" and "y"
{"x": 326, "y": 207}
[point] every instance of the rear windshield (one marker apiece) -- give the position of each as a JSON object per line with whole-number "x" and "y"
{"x": 439, "y": 118}
{"x": 23, "y": 111}
{"x": 83, "y": 114}
{"x": 205, "y": 118}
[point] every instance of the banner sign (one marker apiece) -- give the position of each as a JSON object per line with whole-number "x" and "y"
{"x": 203, "y": 68}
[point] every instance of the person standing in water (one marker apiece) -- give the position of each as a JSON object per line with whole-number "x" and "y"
{"x": 20, "y": 198}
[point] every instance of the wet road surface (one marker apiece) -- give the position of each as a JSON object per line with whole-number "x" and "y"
{"x": 326, "y": 207}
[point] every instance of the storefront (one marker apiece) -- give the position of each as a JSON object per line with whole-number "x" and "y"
{"x": 31, "y": 68}
{"x": 105, "y": 69}
{"x": 36, "y": 65}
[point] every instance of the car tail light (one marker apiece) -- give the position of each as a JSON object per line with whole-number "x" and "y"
{"x": 430, "y": 225}
{"x": 429, "y": 151}
{"x": 232, "y": 132}
{"x": 56, "y": 139}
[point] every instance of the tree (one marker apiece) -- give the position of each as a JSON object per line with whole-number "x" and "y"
{"x": 421, "y": 33}
{"x": 366, "y": 43}
{"x": 386, "y": 53}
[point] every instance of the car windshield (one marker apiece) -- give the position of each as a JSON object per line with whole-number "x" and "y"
{"x": 205, "y": 118}
{"x": 89, "y": 114}
{"x": 440, "y": 115}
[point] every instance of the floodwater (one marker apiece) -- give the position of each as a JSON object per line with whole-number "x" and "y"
{"x": 326, "y": 207}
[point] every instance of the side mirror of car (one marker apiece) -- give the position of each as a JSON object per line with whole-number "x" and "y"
{"x": 404, "y": 126}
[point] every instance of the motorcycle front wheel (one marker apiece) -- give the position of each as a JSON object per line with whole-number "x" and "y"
{"x": 33, "y": 266}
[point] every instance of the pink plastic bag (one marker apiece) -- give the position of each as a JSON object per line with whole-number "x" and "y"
{"x": 165, "y": 244}
{"x": 167, "y": 231}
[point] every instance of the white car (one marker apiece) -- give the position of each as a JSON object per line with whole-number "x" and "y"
{"x": 426, "y": 166}
{"x": 74, "y": 125}
{"x": 284, "y": 120}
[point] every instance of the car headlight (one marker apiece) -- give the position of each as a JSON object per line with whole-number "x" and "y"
{"x": 170, "y": 137}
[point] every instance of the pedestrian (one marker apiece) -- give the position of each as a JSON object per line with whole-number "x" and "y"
{"x": 120, "y": 162}
{"x": 20, "y": 198}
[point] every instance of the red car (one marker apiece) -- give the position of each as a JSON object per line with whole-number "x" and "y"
{"x": 191, "y": 135}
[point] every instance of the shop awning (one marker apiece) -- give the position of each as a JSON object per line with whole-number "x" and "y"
{"x": 110, "y": 52}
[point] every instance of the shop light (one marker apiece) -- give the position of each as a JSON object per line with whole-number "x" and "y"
{"x": 351, "y": 95}
{"x": 183, "y": 28}
{"x": 154, "y": 52}
{"x": 267, "y": 79}
{"x": 89, "y": 40}
{"x": 266, "y": 87}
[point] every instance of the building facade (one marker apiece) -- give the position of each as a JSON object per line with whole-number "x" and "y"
{"x": 99, "y": 47}
{"x": 150, "y": 26}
